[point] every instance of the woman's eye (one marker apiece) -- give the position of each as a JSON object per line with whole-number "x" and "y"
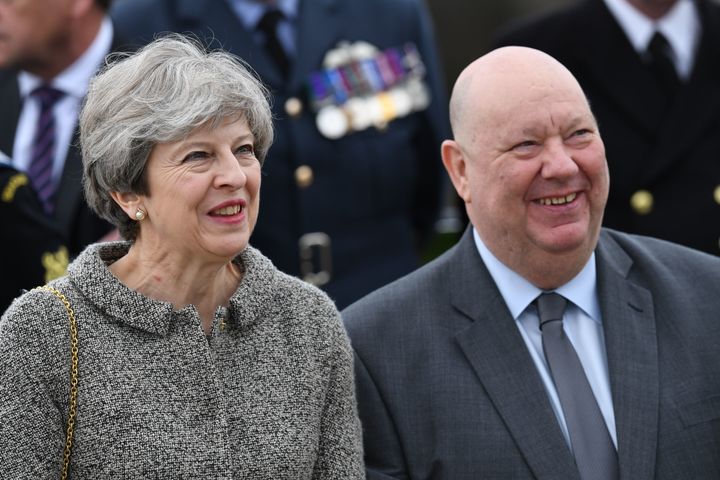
{"x": 197, "y": 155}
{"x": 246, "y": 149}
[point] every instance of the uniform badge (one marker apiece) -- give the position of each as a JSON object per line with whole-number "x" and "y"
{"x": 361, "y": 86}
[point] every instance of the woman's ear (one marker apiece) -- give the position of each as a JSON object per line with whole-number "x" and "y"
{"x": 129, "y": 202}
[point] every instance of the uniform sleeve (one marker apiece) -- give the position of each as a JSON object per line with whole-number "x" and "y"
{"x": 340, "y": 451}
{"x": 32, "y": 433}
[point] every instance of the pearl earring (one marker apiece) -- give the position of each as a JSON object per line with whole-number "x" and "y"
{"x": 140, "y": 215}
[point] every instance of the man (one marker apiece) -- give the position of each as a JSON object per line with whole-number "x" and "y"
{"x": 456, "y": 378}
{"x": 48, "y": 52}
{"x": 352, "y": 185}
{"x": 650, "y": 70}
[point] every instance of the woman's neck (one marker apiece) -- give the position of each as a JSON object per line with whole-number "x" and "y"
{"x": 179, "y": 280}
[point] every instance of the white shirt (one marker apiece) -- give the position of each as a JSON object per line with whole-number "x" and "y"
{"x": 582, "y": 323}
{"x": 73, "y": 82}
{"x": 680, "y": 26}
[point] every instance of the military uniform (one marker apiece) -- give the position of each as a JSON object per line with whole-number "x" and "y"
{"x": 664, "y": 161}
{"x": 33, "y": 250}
{"x": 344, "y": 207}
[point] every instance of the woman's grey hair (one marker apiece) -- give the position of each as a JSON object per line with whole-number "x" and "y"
{"x": 160, "y": 94}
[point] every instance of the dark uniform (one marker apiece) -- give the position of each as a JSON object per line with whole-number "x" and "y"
{"x": 664, "y": 161}
{"x": 33, "y": 250}
{"x": 344, "y": 208}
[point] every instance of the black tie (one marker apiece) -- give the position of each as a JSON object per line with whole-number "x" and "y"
{"x": 595, "y": 454}
{"x": 268, "y": 26}
{"x": 659, "y": 55}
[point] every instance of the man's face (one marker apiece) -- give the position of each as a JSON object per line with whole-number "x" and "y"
{"x": 32, "y": 31}
{"x": 537, "y": 179}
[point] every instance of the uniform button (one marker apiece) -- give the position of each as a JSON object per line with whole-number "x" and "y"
{"x": 716, "y": 194}
{"x": 642, "y": 202}
{"x": 293, "y": 107}
{"x": 303, "y": 176}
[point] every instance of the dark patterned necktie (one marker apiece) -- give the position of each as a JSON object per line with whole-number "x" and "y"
{"x": 43, "y": 147}
{"x": 592, "y": 446}
{"x": 268, "y": 26}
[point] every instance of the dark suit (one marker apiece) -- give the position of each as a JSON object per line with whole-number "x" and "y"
{"x": 447, "y": 388}
{"x": 375, "y": 193}
{"x": 674, "y": 153}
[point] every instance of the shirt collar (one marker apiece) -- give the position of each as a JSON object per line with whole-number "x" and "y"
{"x": 680, "y": 26}
{"x": 518, "y": 293}
{"x": 250, "y": 11}
{"x": 74, "y": 80}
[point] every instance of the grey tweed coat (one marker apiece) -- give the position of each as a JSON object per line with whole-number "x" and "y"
{"x": 269, "y": 395}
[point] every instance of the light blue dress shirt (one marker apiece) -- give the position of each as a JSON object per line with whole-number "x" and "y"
{"x": 582, "y": 323}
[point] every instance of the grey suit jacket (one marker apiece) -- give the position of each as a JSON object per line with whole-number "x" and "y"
{"x": 447, "y": 388}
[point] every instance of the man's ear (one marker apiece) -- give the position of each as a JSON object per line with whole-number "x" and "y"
{"x": 129, "y": 202}
{"x": 456, "y": 165}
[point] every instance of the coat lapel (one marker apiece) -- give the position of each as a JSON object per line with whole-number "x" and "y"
{"x": 497, "y": 353}
{"x": 217, "y": 24}
{"x": 607, "y": 54}
{"x": 631, "y": 345}
{"x": 697, "y": 105}
{"x": 11, "y": 105}
{"x": 318, "y": 30}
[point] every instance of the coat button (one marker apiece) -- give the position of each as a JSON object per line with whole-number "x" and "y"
{"x": 716, "y": 194}
{"x": 293, "y": 107}
{"x": 303, "y": 176}
{"x": 642, "y": 202}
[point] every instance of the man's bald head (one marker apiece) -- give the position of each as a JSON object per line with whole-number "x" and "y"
{"x": 497, "y": 79}
{"x": 529, "y": 163}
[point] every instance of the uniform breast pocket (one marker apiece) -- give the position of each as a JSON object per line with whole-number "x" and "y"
{"x": 393, "y": 155}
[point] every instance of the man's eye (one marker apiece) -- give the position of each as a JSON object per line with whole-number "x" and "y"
{"x": 524, "y": 145}
{"x": 581, "y": 132}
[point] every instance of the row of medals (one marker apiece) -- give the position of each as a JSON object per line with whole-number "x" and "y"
{"x": 361, "y": 87}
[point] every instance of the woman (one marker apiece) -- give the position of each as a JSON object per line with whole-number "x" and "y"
{"x": 197, "y": 358}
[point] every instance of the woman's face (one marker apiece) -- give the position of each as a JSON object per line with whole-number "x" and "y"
{"x": 204, "y": 193}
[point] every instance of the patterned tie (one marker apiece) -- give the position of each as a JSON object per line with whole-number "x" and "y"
{"x": 659, "y": 55}
{"x": 43, "y": 148}
{"x": 268, "y": 26}
{"x": 595, "y": 454}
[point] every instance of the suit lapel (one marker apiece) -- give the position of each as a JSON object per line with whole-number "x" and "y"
{"x": 318, "y": 30}
{"x": 497, "y": 353}
{"x": 631, "y": 345}
{"x": 69, "y": 193}
{"x": 11, "y": 105}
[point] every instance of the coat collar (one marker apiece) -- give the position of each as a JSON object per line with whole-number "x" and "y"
{"x": 317, "y": 31}
{"x": 91, "y": 275}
